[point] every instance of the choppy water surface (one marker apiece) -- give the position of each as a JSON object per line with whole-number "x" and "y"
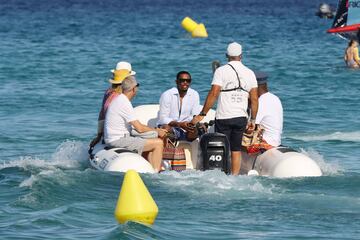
{"x": 56, "y": 57}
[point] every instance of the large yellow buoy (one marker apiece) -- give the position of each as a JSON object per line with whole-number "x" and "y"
{"x": 196, "y": 30}
{"x": 135, "y": 203}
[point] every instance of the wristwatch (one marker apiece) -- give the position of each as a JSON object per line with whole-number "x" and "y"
{"x": 203, "y": 114}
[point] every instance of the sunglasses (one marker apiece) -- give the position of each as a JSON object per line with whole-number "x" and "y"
{"x": 136, "y": 86}
{"x": 182, "y": 80}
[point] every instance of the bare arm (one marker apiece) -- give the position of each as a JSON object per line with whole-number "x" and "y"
{"x": 211, "y": 98}
{"x": 254, "y": 109}
{"x": 141, "y": 128}
{"x": 254, "y": 104}
{"x": 187, "y": 126}
{"x": 209, "y": 102}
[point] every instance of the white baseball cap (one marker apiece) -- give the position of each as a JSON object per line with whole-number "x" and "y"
{"x": 234, "y": 49}
{"x": 124, "y": 65}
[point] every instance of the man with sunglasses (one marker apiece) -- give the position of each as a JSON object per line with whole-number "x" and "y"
{"x": 177, "y": 107}
{"x": 233, "y": 84}
{"x": 120, "y": 118}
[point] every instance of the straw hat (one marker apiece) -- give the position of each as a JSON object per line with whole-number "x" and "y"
{"x": 119, "y": 76}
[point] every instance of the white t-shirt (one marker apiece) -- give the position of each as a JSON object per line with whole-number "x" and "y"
{"x": 233, "y": 103}
{"x": 270, "y": 116}
{"x": 118, "y": 116}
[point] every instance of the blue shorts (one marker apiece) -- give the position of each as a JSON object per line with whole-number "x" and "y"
{"x": 179, "y": 133}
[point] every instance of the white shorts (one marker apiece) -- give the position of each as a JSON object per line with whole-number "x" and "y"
{"x": 135, "y": 144}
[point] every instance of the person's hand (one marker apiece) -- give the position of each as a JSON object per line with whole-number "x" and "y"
{"x": 187, "y": 126}
{"x": 161, "y": 132}
{"x": 190, "y": 127}
{"x": 196, "y": 119}
{"x": 203, "y": 127}
{"x": 250, "y": 126}
{"x": 182, "y": 125}
{"x": 166, "y": 127}
{"x": 95, "y": 140}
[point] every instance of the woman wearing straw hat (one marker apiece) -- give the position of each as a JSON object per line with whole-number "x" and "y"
{"x": 122, "y": 70}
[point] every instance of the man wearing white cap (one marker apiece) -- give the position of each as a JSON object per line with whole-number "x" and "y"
{"x": 233, "y": 84}
{"x": 122, "y": 70}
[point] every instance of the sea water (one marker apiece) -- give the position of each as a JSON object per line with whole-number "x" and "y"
{"x": 56, "y": 57}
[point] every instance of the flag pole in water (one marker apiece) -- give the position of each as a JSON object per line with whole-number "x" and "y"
{"x": 135, "y": 202}
{"x": 196, "y": 30}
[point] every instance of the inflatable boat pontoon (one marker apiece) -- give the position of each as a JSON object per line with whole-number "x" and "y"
{"x": 210, "y": 151}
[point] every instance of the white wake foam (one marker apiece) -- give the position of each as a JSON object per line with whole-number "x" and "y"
{"x": 68, "y": 155}
{"x": 216, "y": 184}
{"x": 336, "y": 136}
{"x": 326, "y": 168}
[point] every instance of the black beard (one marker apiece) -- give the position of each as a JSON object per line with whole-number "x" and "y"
{"x": 182, "y": 91}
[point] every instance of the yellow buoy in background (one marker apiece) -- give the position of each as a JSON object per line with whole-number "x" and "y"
{"x": 188, "y": 24}
{"x": 135, "y": 203}
{"x": 199, "y": 31}
{"x": 196, "y": 30}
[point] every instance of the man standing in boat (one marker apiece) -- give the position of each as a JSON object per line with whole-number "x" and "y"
{"x": 178, "y": 106}
{"x": 119, "y": 119}
{"x": 233, "y": 84}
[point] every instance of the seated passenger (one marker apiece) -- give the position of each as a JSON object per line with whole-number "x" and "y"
{"x": 122, "y": 70}
{"x": 178, "y": 105}
{"x": 269, "y": 115}
{"x": 119, "y": 119}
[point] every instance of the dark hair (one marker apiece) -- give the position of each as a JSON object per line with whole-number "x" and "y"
{"x": 351, "y": 42}
{"x": 182, "y": 72}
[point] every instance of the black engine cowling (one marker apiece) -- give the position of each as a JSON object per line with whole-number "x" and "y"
{"x": 215, "y": 152}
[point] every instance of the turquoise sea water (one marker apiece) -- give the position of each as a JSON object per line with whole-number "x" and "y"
{"x": 55, "y": 62}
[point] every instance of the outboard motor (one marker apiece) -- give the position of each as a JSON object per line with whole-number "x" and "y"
{"x": 215, "y": 152}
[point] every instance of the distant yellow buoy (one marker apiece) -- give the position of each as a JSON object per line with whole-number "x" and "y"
{"x": 188, "y": 24}
{"x": 135, "y": 203}
{"x": 199, "y": 31}
{"x": 196, "y": 30}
